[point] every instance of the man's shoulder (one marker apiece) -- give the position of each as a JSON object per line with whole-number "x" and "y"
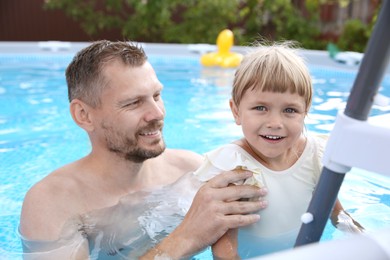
{"x": 48, "y": 204}
{"x": 57, "y": 184}
{"x": 183, "y": 156}
{"x": 182, "y": 153}
{"x": 184, "y": 160}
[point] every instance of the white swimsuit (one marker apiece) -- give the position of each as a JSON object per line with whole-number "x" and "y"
{"x": 289, "y": 193}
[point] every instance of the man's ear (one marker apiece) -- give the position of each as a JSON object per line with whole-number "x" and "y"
{"x": 235, "y": 112}
{"x": 81, "y": 114}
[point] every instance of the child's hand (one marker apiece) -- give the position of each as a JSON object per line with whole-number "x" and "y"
{"x": 226, "y": 246}
{"x": 344, "y": 222}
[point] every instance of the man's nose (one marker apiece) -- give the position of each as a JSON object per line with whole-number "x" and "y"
{"x": 156, "y": 111}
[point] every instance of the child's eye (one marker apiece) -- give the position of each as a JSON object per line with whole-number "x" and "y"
{"x": 290, "y": 110}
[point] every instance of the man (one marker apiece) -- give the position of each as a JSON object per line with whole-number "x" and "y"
{"x": 93, "y": 207}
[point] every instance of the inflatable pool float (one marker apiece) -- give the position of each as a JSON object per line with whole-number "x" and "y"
{"x": 223, "y": 57}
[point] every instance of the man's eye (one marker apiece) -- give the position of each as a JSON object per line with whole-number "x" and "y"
{"x": 131, "y": 104}
{"x": 260, "y": 108}
{"x": 157, "y": 97}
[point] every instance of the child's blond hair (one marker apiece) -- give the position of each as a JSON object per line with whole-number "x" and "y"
{"x": 275, "y": 68}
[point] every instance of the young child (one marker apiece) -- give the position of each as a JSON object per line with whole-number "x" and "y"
{"x": 272, "y": 94}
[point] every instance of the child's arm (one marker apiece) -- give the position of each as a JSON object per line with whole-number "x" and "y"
{"x": 226, "y": 246}
{"x": 343, "y": 221}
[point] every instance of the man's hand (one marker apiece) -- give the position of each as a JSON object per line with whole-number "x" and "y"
{"x": 215, "y": 209}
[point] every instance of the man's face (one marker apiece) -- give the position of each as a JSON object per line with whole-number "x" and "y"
{"x": 132, "y": 112}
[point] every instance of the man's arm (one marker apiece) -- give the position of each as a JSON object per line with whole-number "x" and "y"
{"x": 42, "y": 219}
{"x": 74, "y": 250}
{"x": 214, "y": 210}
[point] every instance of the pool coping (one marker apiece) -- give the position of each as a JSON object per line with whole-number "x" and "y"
{"x": 313, "y": 57}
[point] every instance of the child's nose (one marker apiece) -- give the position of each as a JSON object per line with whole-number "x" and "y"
{"x": 274, "y": 121}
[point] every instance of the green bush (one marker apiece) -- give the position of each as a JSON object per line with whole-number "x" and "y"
{"x": 291, "y": 24}
{"x": 171, "y": 21}
{"x": 354, "y": 37}
{"x": 200, "y": 21}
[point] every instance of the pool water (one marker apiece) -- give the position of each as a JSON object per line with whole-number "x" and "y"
{"x": 37, "y": 134}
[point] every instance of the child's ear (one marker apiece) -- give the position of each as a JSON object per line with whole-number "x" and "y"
{"x": 81, "y": 114}
{"x": 235, "y": 112}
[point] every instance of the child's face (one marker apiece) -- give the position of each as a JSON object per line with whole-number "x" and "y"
{"x": 271, "y": 122}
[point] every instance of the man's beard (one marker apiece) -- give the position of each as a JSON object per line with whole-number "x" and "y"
{"x": 128, "y": 148}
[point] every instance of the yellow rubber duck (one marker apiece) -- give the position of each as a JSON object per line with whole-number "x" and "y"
{"x": 223, "y": 57}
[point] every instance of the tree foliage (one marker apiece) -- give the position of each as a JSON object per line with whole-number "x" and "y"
{"x": 199, "y": 21}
